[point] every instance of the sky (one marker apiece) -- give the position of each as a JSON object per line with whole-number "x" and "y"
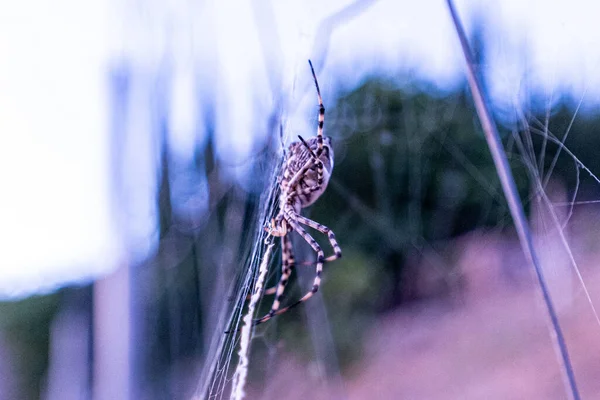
{"x": 53, "y": 212}
{"x": 58, "y": 218}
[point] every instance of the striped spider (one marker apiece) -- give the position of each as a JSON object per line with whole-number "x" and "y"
{"x": 305, "y": 177}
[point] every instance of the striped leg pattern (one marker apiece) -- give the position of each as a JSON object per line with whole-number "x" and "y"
{"x": 300, "y": 174}
{"x": 287, "y": 265}
{"x": 319, "y": 269}
{"x": 289, "y": 262}
{"x": 337, "y": 251}
{"x": 320, "y": 126}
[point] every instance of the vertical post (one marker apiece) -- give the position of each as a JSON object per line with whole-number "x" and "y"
{"x": 112, "y": 337}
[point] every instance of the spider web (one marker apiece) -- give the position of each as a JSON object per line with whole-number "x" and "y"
{"x": 552, "y": 217}
{"x": 536, "y": 171}
{"x": 216, "y": 376}
{"x": 559, "y": 259}
{"x": 218, "y": 379}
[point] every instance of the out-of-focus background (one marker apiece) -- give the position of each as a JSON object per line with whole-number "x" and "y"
{"x": 139, "y": 142}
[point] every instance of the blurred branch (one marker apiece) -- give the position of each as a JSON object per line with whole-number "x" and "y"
{"x": 510, "y": 192}
{"x": 273, "y": 59}
{"x": 320, "y": 329}
{"x": 270, "y": 44}
{"x": 379, "y": 222}
{"x": 330, "y": 23}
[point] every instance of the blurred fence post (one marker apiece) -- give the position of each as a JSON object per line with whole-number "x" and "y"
{"x": 112, "y": 332}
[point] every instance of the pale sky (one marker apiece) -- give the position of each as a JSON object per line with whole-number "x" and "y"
{"x": 57, "y": 221}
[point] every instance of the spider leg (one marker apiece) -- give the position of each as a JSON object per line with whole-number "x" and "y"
{"x": 320, "y": 126}
{"x": 270, "y": 291}
{"x": 337, "y": 251}
{"x": 312, "y": 153}
{"x": 300, "y": 174}
{"x": 287, "y": 265}
{"x": 319, "y": 269}
{"x": 317, "y": 162}
{"x": 321, "y": 112}
{"x": 321, "y": 228}
{"x": 309, "y": 190}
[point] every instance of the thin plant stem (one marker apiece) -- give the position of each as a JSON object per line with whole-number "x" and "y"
{"x": 514, "y": 203}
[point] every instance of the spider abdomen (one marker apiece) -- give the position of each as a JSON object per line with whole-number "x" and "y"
{"x": 304, "y": 192}
{"x": 309, "y": 186}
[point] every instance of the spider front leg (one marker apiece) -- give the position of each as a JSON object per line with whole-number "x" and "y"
{"x": 320, "y": 126}
{"x": 316, "y": 161}
{"x": 321, "y": 113}
{"x": 315, "y": 157}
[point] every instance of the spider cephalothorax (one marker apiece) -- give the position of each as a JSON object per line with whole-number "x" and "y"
{"x": 305, "y": 177}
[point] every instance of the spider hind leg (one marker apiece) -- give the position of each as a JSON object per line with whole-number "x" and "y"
{"x": 337, "y": 251}
{"x": 287, "y": 265}
{"x": 316, "y": 282}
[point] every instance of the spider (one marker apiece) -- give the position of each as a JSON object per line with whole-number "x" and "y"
{"x": 305, "y": 177}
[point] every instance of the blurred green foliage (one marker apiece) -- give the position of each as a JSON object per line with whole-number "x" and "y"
{"x": 25, "y": 326}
